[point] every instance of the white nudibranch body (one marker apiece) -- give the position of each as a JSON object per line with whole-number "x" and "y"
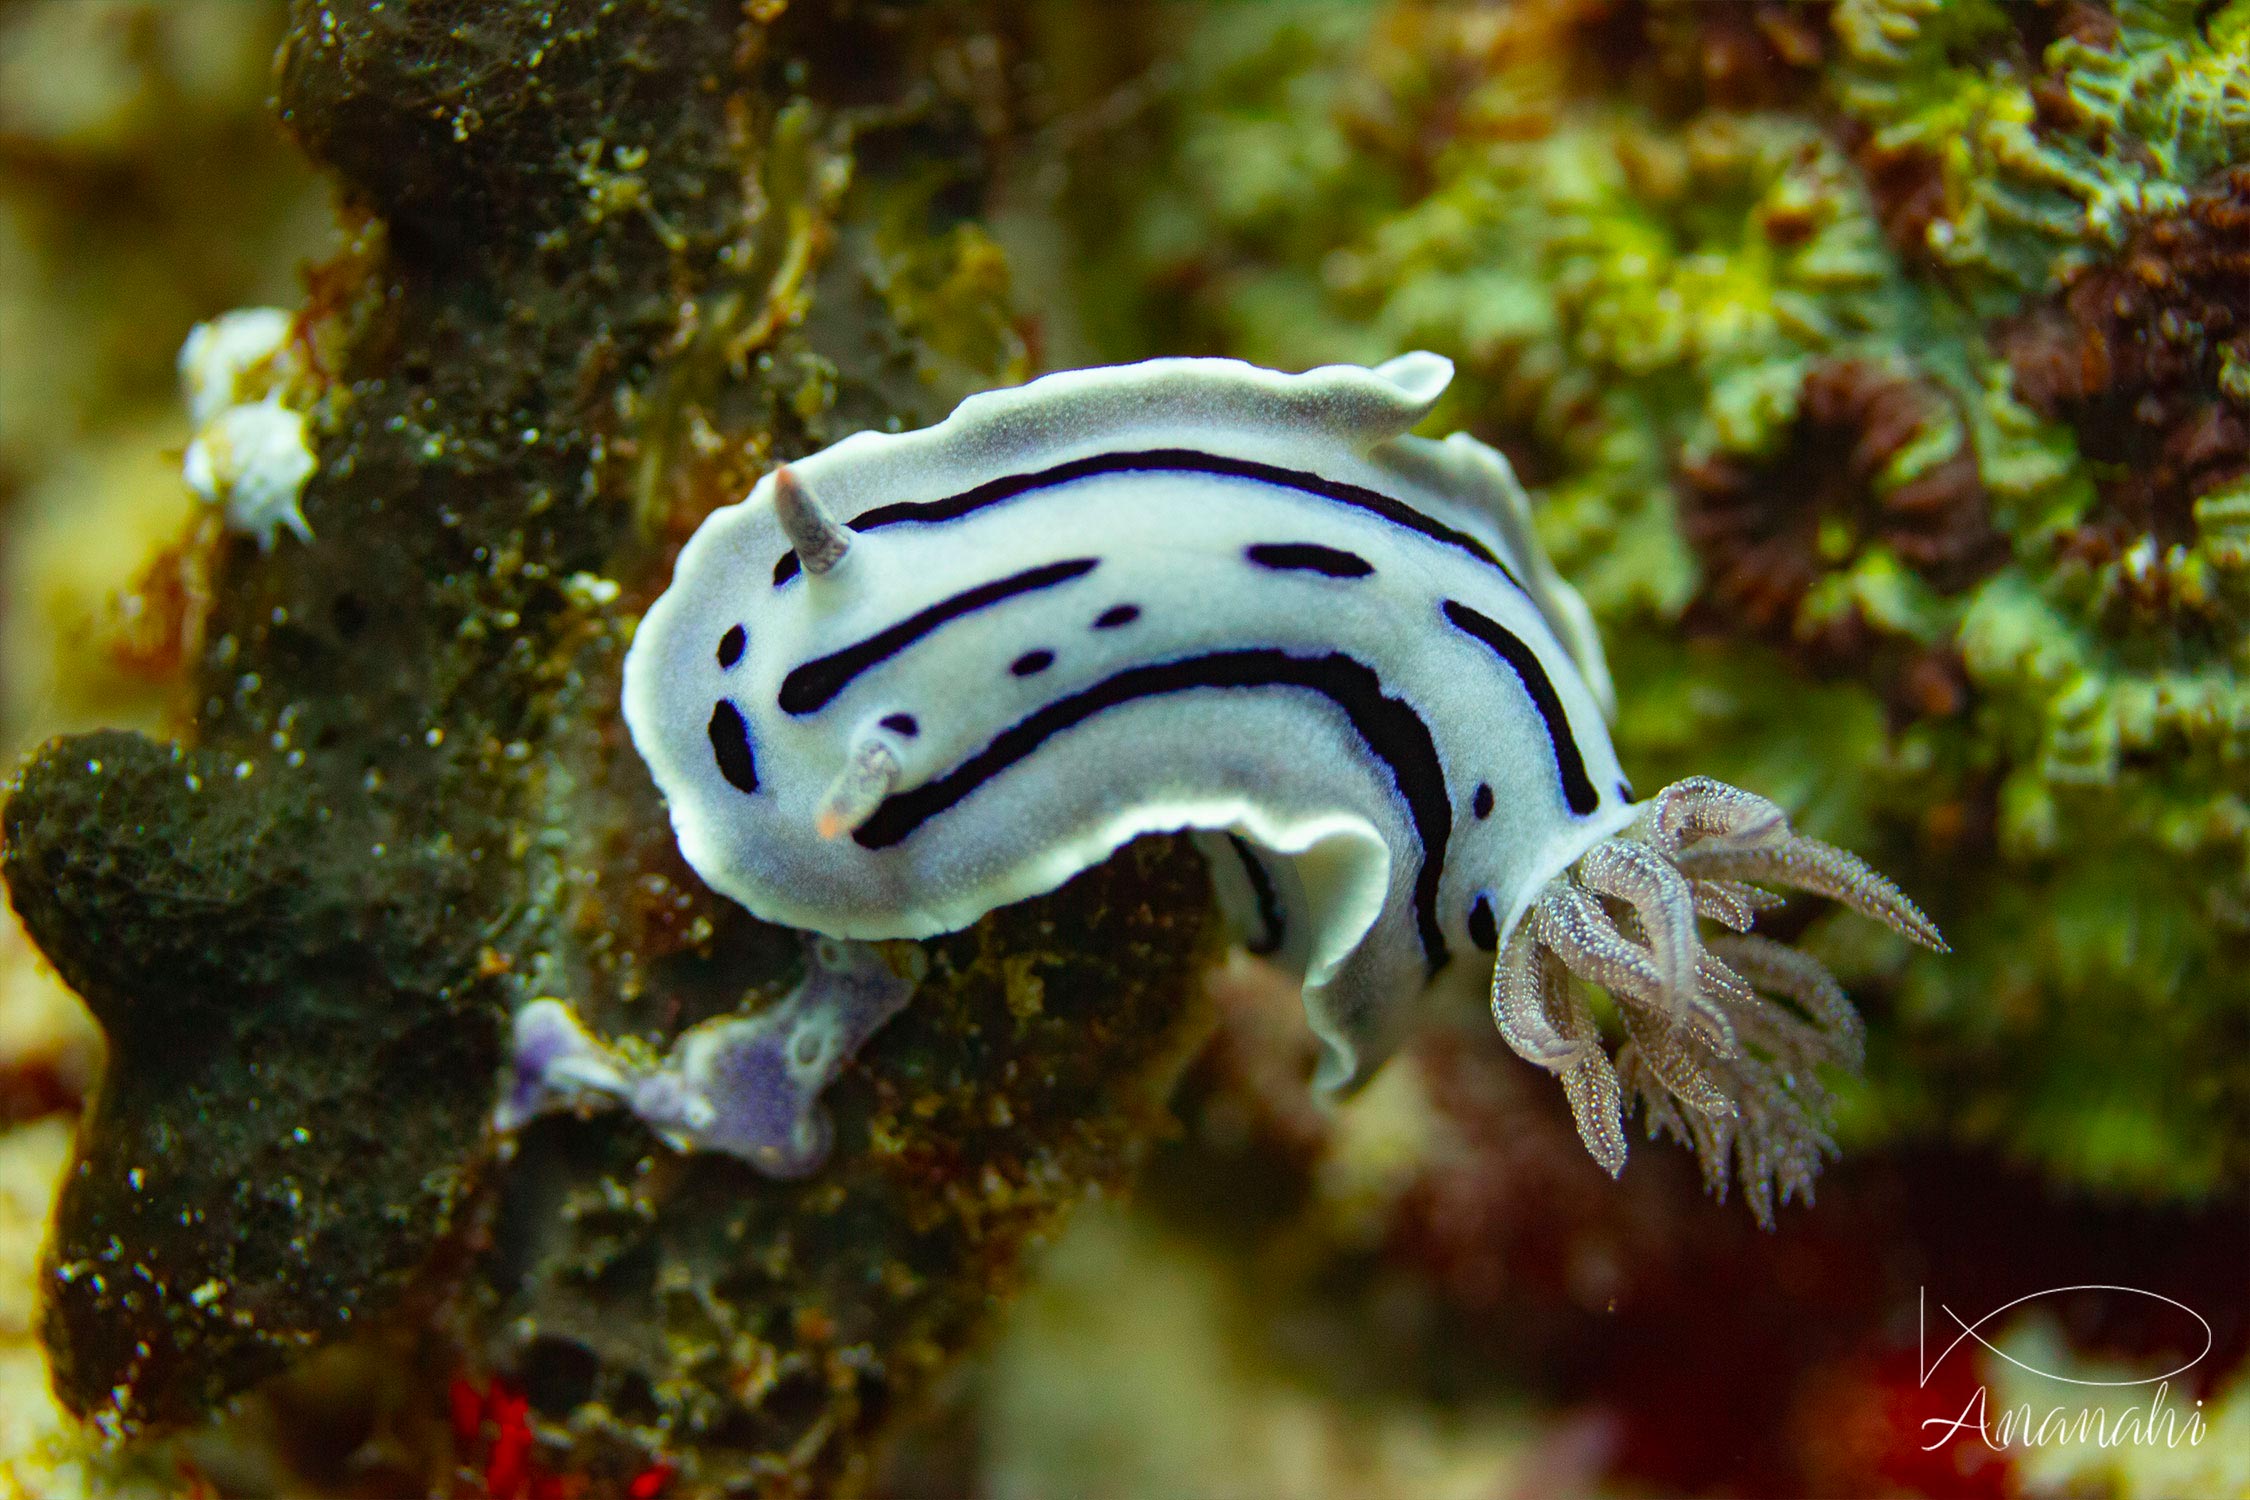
{"x": 237, "y": 357}
{"x": 251, "y": 453}
{"x": 918, "y": 676}
{"x": 254, "y": 460}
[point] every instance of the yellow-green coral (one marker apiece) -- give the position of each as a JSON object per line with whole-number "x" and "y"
{"x": 1652, "y": 308}
{"x": 2048, "y": 154}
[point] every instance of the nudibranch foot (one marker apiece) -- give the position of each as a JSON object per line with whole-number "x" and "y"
{"x": 1723, "y": 1037}
{"x": 748, "y": 1086}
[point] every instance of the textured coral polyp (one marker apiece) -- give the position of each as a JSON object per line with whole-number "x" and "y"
{"x": 2147, "y": 357}
{"x": 2015, "y": 142}
{"x": 1767, "y": 528}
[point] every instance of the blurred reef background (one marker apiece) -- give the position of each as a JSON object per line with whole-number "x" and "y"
{"x": 1881, "y": 369}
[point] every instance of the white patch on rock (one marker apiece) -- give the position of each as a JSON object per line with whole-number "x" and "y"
{"x": 251, "y": 453}
{"x": 237, "y": 357}
{"x": 255, "y": 461}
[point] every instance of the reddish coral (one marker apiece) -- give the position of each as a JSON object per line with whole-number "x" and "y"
{"x": 2131, "y": 354}
{"x": 492, "y": 1433}
{"x": 1906, "y": 178}
{"x": 1859, "y": 1428}
{"x": 465, "y": 1406}
{"x": 1717, "y": 1358}
{"x": 156, "y": 627}
{"x": 1759, "y": 526}
{"x": 1906, "y": 182}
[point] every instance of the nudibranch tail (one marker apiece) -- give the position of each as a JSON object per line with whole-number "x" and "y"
{"x": 1723, "y": 1036}
{"x": 818, "y": 538}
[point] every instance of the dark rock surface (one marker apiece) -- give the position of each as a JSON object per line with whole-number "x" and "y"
{"x": 613, "y": 258}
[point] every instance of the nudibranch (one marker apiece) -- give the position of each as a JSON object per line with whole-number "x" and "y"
{"x": 920, "y": 675}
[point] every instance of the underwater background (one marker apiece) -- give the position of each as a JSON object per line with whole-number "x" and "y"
{"x": 1880, "y": 371}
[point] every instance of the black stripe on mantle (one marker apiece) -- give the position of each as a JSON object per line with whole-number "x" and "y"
{"x": 814, "y": 685}
{"x": 1392, "y": 731}
{"x": 1162, "y": 460}
{"x": 1578, "y": 787}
